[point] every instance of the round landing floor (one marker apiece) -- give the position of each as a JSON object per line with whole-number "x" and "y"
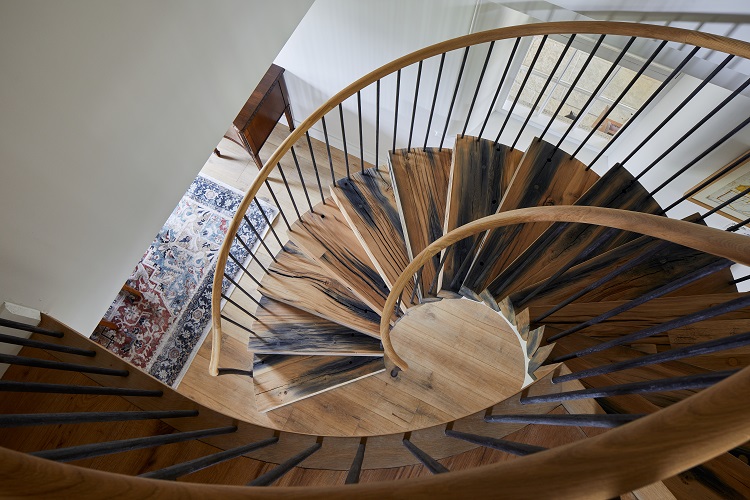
{"x": 463, "y": 358}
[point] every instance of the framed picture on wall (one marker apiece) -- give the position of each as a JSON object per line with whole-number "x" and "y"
{"x": 725, "y": 188}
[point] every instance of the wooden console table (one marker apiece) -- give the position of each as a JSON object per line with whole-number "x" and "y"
{"x": 262, "y": 112}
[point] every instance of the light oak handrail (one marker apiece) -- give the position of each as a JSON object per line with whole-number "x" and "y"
{"x": 623, "y": 459}
{"x": 713, "y": 42}
{"x": 705, "y": 239}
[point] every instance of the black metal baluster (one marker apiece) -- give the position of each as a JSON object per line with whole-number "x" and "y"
{"x": 715, "y": 145}
{"x": 594, "y": 420}
{"x": 28, "y": 328}
{"x": 244, "y": 269}
{"x": 499, "y": 87}
{"x": 377, "y": 124}
{"x": 726, "y": 203}
{"x": 434, "y": 100}
{"x": 430, "y": 463}
{"x": 178, "y": 470}
{"x": 12, "y": 339}
{"x": 281, "y": 469}
{"x": 512, "y": 447}
{"x": 593, "y": 95}
{"x": 109, "y": 447}
{"x": 646, "y": 297}
{"x": 12, "y": 386}
{"x": 251, "y": 253}
{"x": 695, "y": 127}
{"x": 711, "y": 346}
{"x": 645, "y": 105}
{"x": 328, "y": 149}
{"x": 268, "y": 222}
{"x": 395, "y": 114}
{"x": 352, "y": 477}
{"x": 688, "y": 382}
{"x": 678, "y": 108}
{"x": 414, "y": 107}
{"x": 416, "y": 285}
{"x": 573, "y": 85}
{"x": 59, "y": 365}
{"x": 245, "y": 292}
{"x": 708, "y": 313}
{"x": 240, "y": 325}
{"x": 85, "y": 417}
{"x": 361, "y": 139}
{"x": 544, "y": 88}
{"x": 627, "y": 88}
{"x": 343, "y": 138}
{"x": 739, "y": 225}
{"x": 278, "y": 205}
{"x": 235, "y": 304}
{"x": 315, "y": 167}
{"x": 476, "y": 91}
{"x": 301, "y": 179}
{"x": 522, "y": 87}
{"x": 289, "y": 191}
{"x": 453, "y": 100}
{"x": 740, "y": 280}
{"x": 257, "y": 234}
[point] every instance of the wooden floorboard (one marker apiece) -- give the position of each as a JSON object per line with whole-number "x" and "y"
{"x": 481, "y": 172}
{"x": 368, "y": 204}
{"x": 325, "y": 236}
{"x": 545, "y": 176}
{"x": 300, "y": 282}
{"x": 420, "y": 179}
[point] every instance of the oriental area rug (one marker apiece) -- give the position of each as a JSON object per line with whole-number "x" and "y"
{"x": 162, "y": 331}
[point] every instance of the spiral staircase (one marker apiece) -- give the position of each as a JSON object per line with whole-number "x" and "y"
{"x": 554, "y": 330}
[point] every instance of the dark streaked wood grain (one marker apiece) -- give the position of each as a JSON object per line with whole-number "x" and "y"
{"x": 616, "y": 189}
{"x": 368, "y": 204}
{"x": 298, "y": 281}
{"x": 480, "y": 174}
{"x": 324, "y": 235}
{"x": 546, "y": 176}
{"x": 283, "y": 329}
{"x": 281, "y": 379}
{"x": 420, "y": 180}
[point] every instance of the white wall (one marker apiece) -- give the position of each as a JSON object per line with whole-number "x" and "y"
{"x": 109, "y": 110}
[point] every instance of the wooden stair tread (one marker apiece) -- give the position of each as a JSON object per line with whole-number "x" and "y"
{"x": 283, "y": 329}
{"x": 281, "y": 379}
{"x": 664, "y": 266}
{"x": 537, "y": 182}
{"x": 420, "y": 181}
{"x": 297, "y": 280}
{"x": 561, "y": 243}
{"x": 723, "y": 477}
{"x": 368, "y": 204}
{"x": 324, "y": 235}
{"x": 480, "y": 174}
{"x": 709, "y": 330}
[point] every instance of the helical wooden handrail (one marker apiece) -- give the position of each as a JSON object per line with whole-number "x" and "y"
{"x": 713, "y": 42}
{"x": 706, "y": 239}
{"x": 623, "y": 459}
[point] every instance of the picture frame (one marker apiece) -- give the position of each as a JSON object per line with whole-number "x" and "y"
{"x": 730, "y": 184}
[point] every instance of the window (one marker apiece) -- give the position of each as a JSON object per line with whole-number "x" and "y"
{"x": 563, "y": 79}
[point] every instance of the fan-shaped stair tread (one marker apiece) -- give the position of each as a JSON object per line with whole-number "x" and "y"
{"x": 651, "y": 313}
{"x": 368, "y": 204}
{"x": 480, "y": 174}
{"x": 561, "y": 243}
{"x": 523, "y": 322}
{"x": 705, "y": 331}
{"x": 534, "y": 341}
{"x": 655, "y": 491}
{"x": 575, "y": 342}
{"x": 507, "y": 310}
{"x": 324, "y": 235}
{"x": 723, "y": 477}
{"x": 539, "y": 357}
{"x": 282, "y": 379}
{"x": 537, "y": 182}
{"x": 297, "y": 280}
{"x": 420, "y": 181}
{"x": 283, "y": 329}
{"x": 663, "y": 266}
